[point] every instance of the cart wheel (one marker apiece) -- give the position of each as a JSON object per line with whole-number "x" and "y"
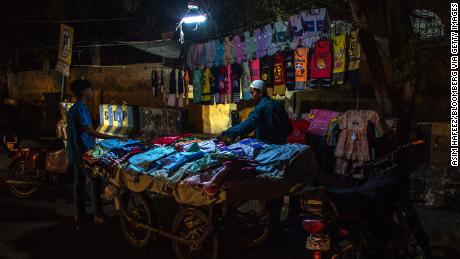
{"x": 193, "y": 224}
{"x": 252, "y": 222}
{"x": 20, "y": 190}
{"x": 135, "y": 209}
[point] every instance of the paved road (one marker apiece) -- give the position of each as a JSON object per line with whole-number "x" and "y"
{"x": 42, "y": 227}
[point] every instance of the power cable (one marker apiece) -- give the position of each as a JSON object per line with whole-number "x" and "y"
{"x": 68, "y": 21}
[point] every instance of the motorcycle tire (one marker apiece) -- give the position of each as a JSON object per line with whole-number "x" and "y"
{"x": 193, "y": 224}
{"x": 23, "y": 190}
{"x": 135, "y": 208}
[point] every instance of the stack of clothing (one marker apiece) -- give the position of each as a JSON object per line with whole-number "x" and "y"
{"x": 181, "y": 163}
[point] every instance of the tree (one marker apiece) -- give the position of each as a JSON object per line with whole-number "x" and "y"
{"x": 391, "y": 19}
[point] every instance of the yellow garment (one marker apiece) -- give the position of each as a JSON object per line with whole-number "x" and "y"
{"x": 206, "y": 92}
{"x": 354, "y": 51}
{"x": 338, "y": 48}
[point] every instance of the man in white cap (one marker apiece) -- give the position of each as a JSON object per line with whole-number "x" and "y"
{"x": 269, "y": 118}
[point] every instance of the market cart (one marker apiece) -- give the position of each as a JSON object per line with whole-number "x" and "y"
{"x": 238, "y": 210}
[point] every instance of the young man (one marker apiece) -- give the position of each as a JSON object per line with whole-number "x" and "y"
{"x": 80, "y": 138}
{"x": 269, "y": 118}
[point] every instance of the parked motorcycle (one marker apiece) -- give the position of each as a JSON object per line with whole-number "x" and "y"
{"x": 374, "y": 219}
{"x": 36, "y": 166}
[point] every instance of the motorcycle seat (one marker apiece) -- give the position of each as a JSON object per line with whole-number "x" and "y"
{"x": 368, "y": 197}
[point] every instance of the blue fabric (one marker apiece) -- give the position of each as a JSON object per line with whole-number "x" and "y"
{"x": 270, "y": 121}
{"x": 208, "y": 146}
{"x": 78, "y": 141}
{"x": 115, "y": 143}
{"x": 175, "y": 161}
{"x": 145, "y": 161}
{"x": 246, "y": 148}
{"x": 274, "y": 159}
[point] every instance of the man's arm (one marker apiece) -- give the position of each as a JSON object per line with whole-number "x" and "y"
{"x": 246, "y": 126}
{"x": 92, "y": 132}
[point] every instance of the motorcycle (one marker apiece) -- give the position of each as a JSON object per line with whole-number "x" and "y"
{"x": 374, "y": 219}
{"x": 34, "y": 167}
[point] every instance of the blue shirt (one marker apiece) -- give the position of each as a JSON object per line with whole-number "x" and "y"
{"x": 270, "y": 121}
{"x": 78, "y": 141}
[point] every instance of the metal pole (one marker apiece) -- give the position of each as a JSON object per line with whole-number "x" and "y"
{"x": 62, "y": 86}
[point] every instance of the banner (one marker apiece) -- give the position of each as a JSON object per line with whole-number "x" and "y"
{"x": 65, "y": 50}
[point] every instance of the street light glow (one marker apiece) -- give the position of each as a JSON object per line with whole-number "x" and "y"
{"x": 194, "y": 19}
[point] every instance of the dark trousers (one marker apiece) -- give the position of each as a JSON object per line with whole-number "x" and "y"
{"x": 79, "y": 192}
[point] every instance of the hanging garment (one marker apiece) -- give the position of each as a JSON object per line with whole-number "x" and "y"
{"x": 353, "y": 58}
{"x": 301, "y": 70}
{"x": 290, "y": 69}
{"x": 210, "y": 53}
{"x": 228, "y": 51}
{"x": 162, "y": 82}
{"x": 222, "y": 84}
{"x": 266, "y": 71}
{"x": 187, "y": 83}
{"x": 354, "y": 52}
{"x": 172, "y": 89}
{"x": 155, "y": 85}
{"x": 236, "y": 78}
{"x": 197, "y": 86}
{"x": 180, "y": 88}
{"x": 261, "y": 43}
{"x": 246, "y": 82}
{"x": 316, "y": 20}
{"x": 191, "y": 58}
{"x": 295, "y": 22}
{"x": 201, "y": 57}
{"x": 279, "y": 74}
{"x": 270, "y": 47}
{"x": 281, "y": 33}
{"x": 250, "y": 45}
{"x": 240, "y": 49}
{"x": 215, "y": 85}
{"x": 321, "y": 65}
{"x": 353, "y": 145}
{"x": 219, "y": 53}
{"x": 228, "y": 94}
{"x": 206, "y": 92}
{"x": 255, "y": 69}
{"x": 338, "y": 48}
{"x": 167, "y": 81}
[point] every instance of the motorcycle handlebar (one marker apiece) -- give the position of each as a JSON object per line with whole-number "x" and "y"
{"x": 388, "y": 157}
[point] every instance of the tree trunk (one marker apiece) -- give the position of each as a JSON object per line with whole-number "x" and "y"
{"x": 374, "y": 60}
{"x": 394, "y": 99}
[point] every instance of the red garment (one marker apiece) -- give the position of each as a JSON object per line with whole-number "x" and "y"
{"x": 212, "y": 180}
{"x": 299, "y": 131}
{"x": 255, "y": 69}
{"x": 166, "y": 140}
{"x": 279, "y": 69}
{"x": 321, "y": 60}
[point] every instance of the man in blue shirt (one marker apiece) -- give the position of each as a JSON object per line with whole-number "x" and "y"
{"x": 80, "y": 138}
{"x": 272, "y": 125}
{"x": 269, "y": 119}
